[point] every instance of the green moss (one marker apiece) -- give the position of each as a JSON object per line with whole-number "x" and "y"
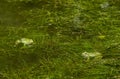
{"x": 61, "y": 33}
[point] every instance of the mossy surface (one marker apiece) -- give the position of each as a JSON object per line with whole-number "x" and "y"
{"x": 61, "y": 33}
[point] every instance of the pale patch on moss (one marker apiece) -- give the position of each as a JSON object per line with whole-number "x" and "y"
{"x": 25, "y": 41}
{"x": 91, "y": 55}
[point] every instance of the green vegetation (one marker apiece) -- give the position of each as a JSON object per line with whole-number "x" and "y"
{"x": 61, "y": 31}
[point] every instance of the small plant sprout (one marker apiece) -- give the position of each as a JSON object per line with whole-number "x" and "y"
{"x": 24, "y": 41}
{"x": 91, "y": 55}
